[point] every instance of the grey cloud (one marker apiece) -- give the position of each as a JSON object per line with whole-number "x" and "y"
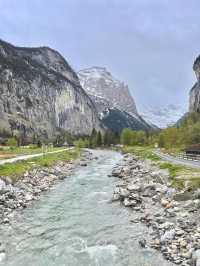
{"x": 150, "y": 45}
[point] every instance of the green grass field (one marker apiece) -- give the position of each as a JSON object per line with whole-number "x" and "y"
{"x": 15, "y": 170}
{"x": 145, "y": 152}
{"x": 25, "y": 150}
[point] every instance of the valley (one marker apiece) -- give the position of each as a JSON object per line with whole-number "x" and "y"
{"x": 76, "y": 223}
{"x": 86, "y": 176}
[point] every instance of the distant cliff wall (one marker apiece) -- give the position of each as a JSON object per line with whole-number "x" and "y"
{"x": 194, "y": 101}
{"x": 40, "y": 94}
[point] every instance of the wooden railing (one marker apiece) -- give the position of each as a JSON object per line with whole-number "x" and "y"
{"x": 189, "y": 157}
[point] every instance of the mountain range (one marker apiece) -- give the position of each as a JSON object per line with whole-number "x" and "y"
{"x": 42, "y": 96}
{"x": 114, "y": 103}
{"x": 164, "y": 116}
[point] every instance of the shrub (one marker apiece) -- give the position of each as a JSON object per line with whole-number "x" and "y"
{"x": 12, "y": 142}
{"x": 81, "y": 143}
{"x": 33, "y": 146}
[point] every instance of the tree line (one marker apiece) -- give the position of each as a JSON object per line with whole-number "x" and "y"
{"x": 185, "y": 133}
{"x": 98, "y": 139}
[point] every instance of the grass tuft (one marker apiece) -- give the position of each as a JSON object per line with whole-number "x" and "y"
{"x": 173, "y": 169}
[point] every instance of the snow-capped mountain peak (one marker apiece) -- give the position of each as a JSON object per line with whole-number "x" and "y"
{"x": 113, "y": 101}
{"x": 163, "y": 116}
{"x": 98, "y": 82}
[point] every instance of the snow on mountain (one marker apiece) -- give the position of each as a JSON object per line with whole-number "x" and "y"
{"x": 98, "y": 82}
{"x": 163, "y": 116}
{"x": 113, "y": 101}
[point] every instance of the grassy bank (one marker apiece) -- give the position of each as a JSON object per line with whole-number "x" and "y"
{"x": 15, "y": 170}
{"x": 6, "y": 152}
{"x": 180, "y": 175}
{"x": 144, "y": 152}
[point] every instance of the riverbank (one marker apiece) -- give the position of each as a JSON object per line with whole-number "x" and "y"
{"x": 40, "y": 178}
{"x": 171, "y": 214}
{"x": 182, "y": 176}
{"x": 76, "y": 223}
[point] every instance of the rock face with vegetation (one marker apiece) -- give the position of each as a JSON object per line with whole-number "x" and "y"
{"x": 195, "y": 91}
{"x": 115, "y": 105}
{"x": 40, "y": 95}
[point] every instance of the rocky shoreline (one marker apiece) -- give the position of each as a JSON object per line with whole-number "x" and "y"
{"x": 171, "y": 215}
{"x": 32, "y": 184}
{"x": 17, "y": 196}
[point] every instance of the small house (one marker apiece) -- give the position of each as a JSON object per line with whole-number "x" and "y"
{"x": 193, "y": 149}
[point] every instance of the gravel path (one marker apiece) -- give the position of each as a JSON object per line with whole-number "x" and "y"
{"x": 175, "y": 160}
{"x": 26, "y": 157}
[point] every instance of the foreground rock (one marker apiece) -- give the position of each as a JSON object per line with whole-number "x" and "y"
{"x": 174, "y": 223}
{"x": 30, "y": 186}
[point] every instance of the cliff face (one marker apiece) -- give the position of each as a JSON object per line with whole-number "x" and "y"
{"x": 40, "y": 94}
{"x": 194, "y": 104}
{"x": 116, "y": 107}
{"x": 99, "y": 83}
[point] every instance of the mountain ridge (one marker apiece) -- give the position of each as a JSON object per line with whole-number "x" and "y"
{"x": 112, "y": 99}
{"x": 164, "y": 116}
{"x": 194, "y": 96}
{"x": 41, "y": 94}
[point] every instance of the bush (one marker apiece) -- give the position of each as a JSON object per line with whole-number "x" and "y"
{"x": 174, "y": 169}
{"x": 81, "y": 143}
{"x": 33, "y": 146}
{"x": 12, "y": 142}
{"x": 131, "y": 137}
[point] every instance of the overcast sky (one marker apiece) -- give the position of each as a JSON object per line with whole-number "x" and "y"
{"x": 149, "y": 44}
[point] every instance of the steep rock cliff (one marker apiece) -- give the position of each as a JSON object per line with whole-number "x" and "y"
{"x": 40, "y": 94}
{"x": 194, "y": 104}
{"x": 97, "y": 81}
{"x": 115, "y": 105}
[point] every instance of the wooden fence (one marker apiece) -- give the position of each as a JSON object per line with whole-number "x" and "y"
{"x": 189, "y": 157}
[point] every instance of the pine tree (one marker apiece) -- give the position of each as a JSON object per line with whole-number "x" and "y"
{"x": 105, "y": 138}
{"x": 108, "y": 138}
{"x": 93, "y": 139}
{"x": 99, "y": 139}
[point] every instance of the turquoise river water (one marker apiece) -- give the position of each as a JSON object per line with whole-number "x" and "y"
{"x": 75, "y": 224}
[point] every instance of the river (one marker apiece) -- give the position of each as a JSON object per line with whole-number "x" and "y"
{"x": 75, "y": 224}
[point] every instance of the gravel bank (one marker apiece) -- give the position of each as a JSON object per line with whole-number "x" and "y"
{"x": 30, "y": 186}
{"x": 171, "y": 215}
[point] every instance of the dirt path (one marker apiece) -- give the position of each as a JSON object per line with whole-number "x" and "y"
{"x": 26, "y": 157}
{"x": 175, "y": 160}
